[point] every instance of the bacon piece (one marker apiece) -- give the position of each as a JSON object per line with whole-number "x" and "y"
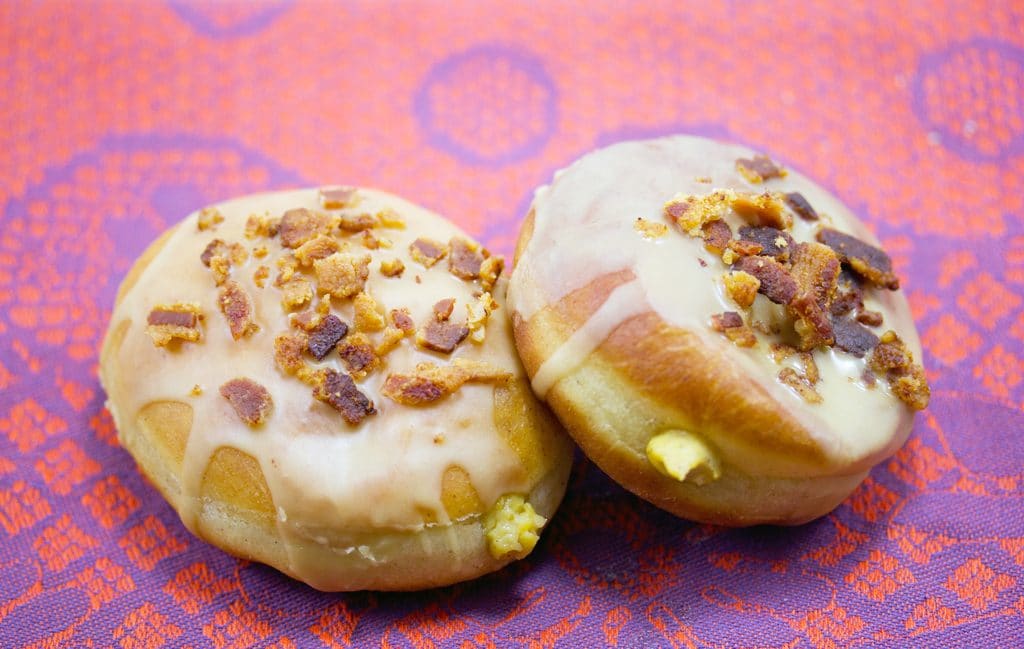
{"x": 442, "y": 336}
{"x": 759, "y": 168}
{"x": 490, "y": 271}
{"x": 261, "y": 226}
{"x": 178, "y": 321}
{"x": 342, "y": 275}
{"x": 816, "y": 272}
{"x": 906, "y": 379}
{"x": 443, "y": 309}
{"x": 869, "y": 262}
{"x": 259, "y": 277}
{"x": 852, "y": 337}
{"x": 288, "y": 350}
{"x": 465, "y": 258}
{"x": 209, "y": 217}
{"x": 392, "y": 267}
{"x": 801, "y": 206}
{"x": 390, "y": 219}
{"x": 427, "y": 251}
{"x": 773, "y": 241}
{"x": 477, "y": 314}
{"x": 731, "y": 324}
{"x": 717, "y": 235}
{"x": 788, "y": 376}
{"x": 236, "y": 305}
{"x": 430, "y": 382}
{"x": 402, "y": 320}
{"x": 333, "y": 198}
{"x": 742, "y": 287}
{"x": 358, "y": 355}
{"x": 367, "y": 315}
{"x": 339, "y": 392}
{"x": 300, "y": 225}
{"x": 870, "y": 318}
{"x": 250, "y": 400}
{"x": 357, "y": 222}
{"x": 650, "y": 229}
{"x": 762, "y": 210}
{"x": 776, "y": 282}
{"x": 691, "y": 212}
{"x": 325, "y": 336}
{"x": 295, "y": 293}
{"x": 318, "y": 247}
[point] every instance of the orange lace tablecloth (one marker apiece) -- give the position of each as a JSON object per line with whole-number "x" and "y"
{"x": 118, "y": 118}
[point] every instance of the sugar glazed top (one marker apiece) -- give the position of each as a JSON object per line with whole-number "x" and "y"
{"x": 325, "y": 334}
{"x": 766, "y": 267}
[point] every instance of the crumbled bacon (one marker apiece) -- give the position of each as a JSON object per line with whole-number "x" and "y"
{"x": 402, "y": 320}
{"x": 650, "y": 229}
{"x": 295, "y": 293}
{"x": 742, "y": 287}
{"x": 342, "y": 274}
{"x": 259, "y": 277}
{"x": 790, "y": 377}
{"x": 852, "y": 337}
{"x": 477, "y": 314}
{"x": 906, "y": 379}
{"x": 443, "y": 308}
{"x": 390, "y": 219}
{"x": 776, "y": 283}
{"x": 261, "y": 226}
{"x": 716, "y": 234}
{"x": 339, "y": 392}
{"x": 236, "y": 305}
{"x": 221, "y": 269}
{"x": 490, "y": 270}
{"x": 209, "y": 217}
{"x": 372, "y": 242}
{"x": 762, "y": 210}
{"x": 325, "y": 335}
{"x": 744, "y": 248}
{"x": 430, "y": 382}
{"x": 215, "y": 247}
{"x": 392, "y": 267}
{"x": 288, "y": 350}
{"x": 390, "y": 339}
{"x": 287, "y": 265}
{"x": 367, "y": 314}
{"x": 300, "y": 225}
{"x": 870, "y": 318}
{"x": 333, "y": 198}
{"x": 759, "y": 168}
{"x": 167, "y": 322}
{"x": 358, "y": 355}
{"x": 816, "y": 271}
{"x": 427, "y": 251}
{"x": 690, "y": 212}
{"x": 801, "y": 206}
{"x": 306, "y": 320}
{"x": 774, "y": 242}
{"x": 357, "y": 222}
{"x": 442, "y": 336}
{"x": 465, "y": 258}
{"x": 250, "y": 400}
{"x": 316, "y": 248}
{"x": 731, "y": 324}
{"x": 869, "y": 262}
{"x": 811, "y": 322}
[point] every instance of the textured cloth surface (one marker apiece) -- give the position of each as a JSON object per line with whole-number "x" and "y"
{"x": 118, "y": 119}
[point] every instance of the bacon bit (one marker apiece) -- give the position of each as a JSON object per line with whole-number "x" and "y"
{"x": 325, "y": 335}
{"x": 333, "y": 198}
{"x": 390, "y": 219}
{"x": 390, "y": 339}
{"x": 781, "y": 351}
{"x": 295, "y": 293}
{"x": 443, "y": 309}
{"x": 209, "y": 217}
{"x": 870, "y": 318}
{"x": 717, "y": 235}
{"x": 744, "y": 248}
{"x": 251, "y": 401}
{"x": 801, "y": 206}
{"x": 372, "y": 242}
{"x": 442, "y": 337}
{"x": 906, "y": 379}
{"x": 427, "y": 251}
{"x": 307, "y": 320}
{"x": 167, "y": 322}
{"x": 197, "y": 390}
{"x": 869, "y": 379}
{"x": 317, "y": 248}
{"x": 703, "y": 264}
{"x": 811, "y": 322}
{"x": 236, "y": 305}
{"x": 367, "y": 314}
{"x": 788, "y": 376}
{"x": 477, "y": 314}
{"x": 259, "y": 277}
{"x": 216, "y": 247}
{"x": 342, "y": 274}
{"x": 286, "y": 266}
{"x": 690, "y": 212}
{"x": 260, "y": 252}
{"x": 776, "y": 283}
{"x": 300, "y": 225}
{"x": 731, "y": 324}
{"x": 704, "y": 180}
{"x": 339, "y": 392}
{"x": 357, "y": 222}
{"x": 392, "y": 267}
{"x": 849, "y": 294}
{"x": 261, "y": 226}
{"x": 650, "y": 229}
{"x": 811, "y": 372}
{"x": 869, "y": 262}
{"x": 763, "y": 209}
{"x": 358, "y": 355}
{"x": 742, "y": 287}
{"x": 852, "y": 337}
{"x": 759, "y": 168}
{"x": 465, "y": 258}
{"x": 431, "y": 382}
{"x": 774, "y": 242}
{"x": 490, "y": 270}
{"x": 401, "y": 319}
{"x": 221, "y": 269}
{"x": 816, "y": 272}
{"x": 288, "y": 350}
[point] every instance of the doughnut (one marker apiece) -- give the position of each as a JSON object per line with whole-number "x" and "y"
{"x": 324, "y": 380}
{"x": 720, "y": 335}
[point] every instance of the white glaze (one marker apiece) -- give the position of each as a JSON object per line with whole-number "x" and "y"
{"x": 584, "y": 229}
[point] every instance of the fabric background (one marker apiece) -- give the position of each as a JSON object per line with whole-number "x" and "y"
{"x": 119, "y": 118}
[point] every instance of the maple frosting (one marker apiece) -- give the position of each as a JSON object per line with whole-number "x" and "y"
{"x": 383, "y": 472}
{"x": 606, "y": 215}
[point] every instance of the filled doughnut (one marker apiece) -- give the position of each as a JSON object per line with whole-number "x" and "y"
{"x": 325, "y": 381}
{"x": 720, "y": 335}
